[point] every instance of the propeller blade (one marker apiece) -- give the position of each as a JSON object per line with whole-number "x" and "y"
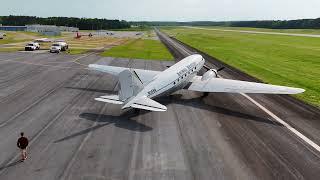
{"x": 220, "y": 69}
{"x": 206, "y": 67}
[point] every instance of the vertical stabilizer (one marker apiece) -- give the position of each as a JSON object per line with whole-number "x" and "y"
{"x": 130, "y": 84}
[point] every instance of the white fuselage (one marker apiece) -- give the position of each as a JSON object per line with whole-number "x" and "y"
{"x": 174, "y": 78}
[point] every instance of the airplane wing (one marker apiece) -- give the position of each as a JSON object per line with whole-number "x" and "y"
{"x": 236, "y": 86}
{"x": 144, "y": 75}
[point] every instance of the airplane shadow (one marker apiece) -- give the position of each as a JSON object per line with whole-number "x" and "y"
{"x": 124, "y": 121}
{"x": 198, "y": 102}
{"x": 93, "y": 90}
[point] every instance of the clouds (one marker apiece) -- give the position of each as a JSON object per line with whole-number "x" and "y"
{"x": 167, "y": 10}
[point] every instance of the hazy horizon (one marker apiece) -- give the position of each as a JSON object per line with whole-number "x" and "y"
{"x": 165, "y": 10}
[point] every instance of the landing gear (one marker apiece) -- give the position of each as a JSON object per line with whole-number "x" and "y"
{"x": 205, "y": 94}
{"x": 137, "y": 111}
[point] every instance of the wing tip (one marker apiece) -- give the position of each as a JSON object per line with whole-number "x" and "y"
{"x": 297, "y": 90}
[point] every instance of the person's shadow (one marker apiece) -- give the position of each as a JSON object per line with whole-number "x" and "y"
{"x": 10, "y": 165}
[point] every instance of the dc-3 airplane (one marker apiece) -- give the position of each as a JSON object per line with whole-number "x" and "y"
{"x": 138, "y": 87}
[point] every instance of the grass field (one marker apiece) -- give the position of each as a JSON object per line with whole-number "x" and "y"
{"x": 77, "y": 51}
{"x": 140, "y": 49}
{"x": 17, "y": 40}
{"x": 276, "y": 59}
{"x": 15, "y": 37}
{"x": 295, "y": 31}
{"x": 10, "y": 49}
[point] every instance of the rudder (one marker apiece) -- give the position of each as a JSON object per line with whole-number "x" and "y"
{"x": 130, "y": 84}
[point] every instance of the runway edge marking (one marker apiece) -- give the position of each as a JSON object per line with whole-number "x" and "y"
{"x": 292, "y": 129}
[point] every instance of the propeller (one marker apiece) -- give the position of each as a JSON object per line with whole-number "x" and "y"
{"x": 208, "y": 68}
{"x": 220, "y": 69}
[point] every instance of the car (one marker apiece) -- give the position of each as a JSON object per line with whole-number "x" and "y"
{"x": 63, "y": 44}
{"x": 32, "y": 46}
{"x": 2, "y": 35}
{"x": 55, "y": 48}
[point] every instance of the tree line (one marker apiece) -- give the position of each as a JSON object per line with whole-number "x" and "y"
{"x": 290, "y": 24}
{"x": 96, "y": 24}
{"x": 81, "y": 23}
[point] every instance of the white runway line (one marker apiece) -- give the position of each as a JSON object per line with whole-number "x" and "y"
{"x": 296, "y": 132}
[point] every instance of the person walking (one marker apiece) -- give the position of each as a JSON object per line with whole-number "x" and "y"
{"x": 23, "y": 144}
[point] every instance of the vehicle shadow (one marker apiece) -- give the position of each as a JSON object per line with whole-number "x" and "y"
{"x": 198, "y": 102}
{"x": 124, "y": 121}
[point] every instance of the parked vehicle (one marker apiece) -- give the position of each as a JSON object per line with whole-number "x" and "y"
{"x": 32, "y": 46}
{"x": 55, "y": 48}
{"x": 2, "y": 35}
{"x": 63, "y": 44}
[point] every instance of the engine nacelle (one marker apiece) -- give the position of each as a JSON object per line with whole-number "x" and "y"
{"x": 212, "y": 73}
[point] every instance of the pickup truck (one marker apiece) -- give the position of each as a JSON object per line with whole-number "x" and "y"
{"x": 64, "y": 45}
{"x": 2, "y": 35}
{"x": 32, "y": 46}
{"x": 55, "y": 48}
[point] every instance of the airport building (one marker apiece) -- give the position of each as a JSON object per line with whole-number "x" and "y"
{"x": 13, "y": 28}
{"x": 49, "y": 30}
{"x": 68, "y": 29}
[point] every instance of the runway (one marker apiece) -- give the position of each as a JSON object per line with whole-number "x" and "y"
{"x": 223, "y": 136}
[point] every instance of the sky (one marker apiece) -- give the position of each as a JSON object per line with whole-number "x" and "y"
{"x": 166, "y": 10}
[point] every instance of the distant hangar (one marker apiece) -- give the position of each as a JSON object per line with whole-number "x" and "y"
{"x": 43, "y": 29}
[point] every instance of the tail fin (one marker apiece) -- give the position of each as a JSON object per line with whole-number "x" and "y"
{"x": 130, "y": 84}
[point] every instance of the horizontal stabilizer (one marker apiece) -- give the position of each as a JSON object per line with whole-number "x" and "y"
{"x": 113, "y": 99}
{"x": 144, "y": 75}
{"x": 147, "y": 104}
{"x": 235, "y": 86}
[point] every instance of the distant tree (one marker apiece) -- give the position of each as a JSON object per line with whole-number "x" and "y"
{"x": 292, "y": 24}
{"x": 81, "y": 23}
